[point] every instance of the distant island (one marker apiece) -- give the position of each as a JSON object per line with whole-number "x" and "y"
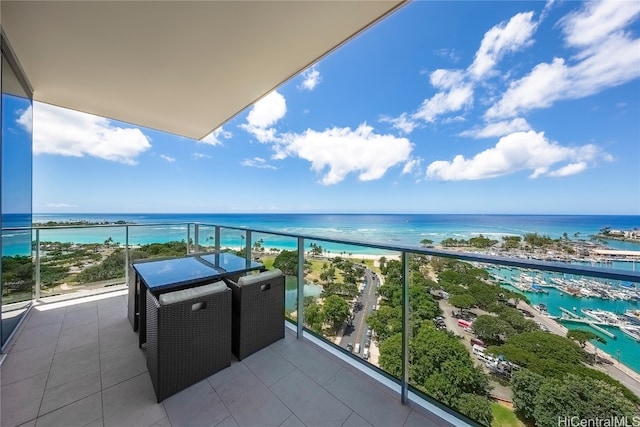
{"x": 79, "y": 223}
{"x": 624, "y": 235}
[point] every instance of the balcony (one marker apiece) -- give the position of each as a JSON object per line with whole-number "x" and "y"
{"x": 74, "y": 359}
{"x": 77, "y": 362}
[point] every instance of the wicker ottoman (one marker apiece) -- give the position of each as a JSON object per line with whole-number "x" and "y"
{"x": 258, "y": 311}
{"x": 188, "y": 336}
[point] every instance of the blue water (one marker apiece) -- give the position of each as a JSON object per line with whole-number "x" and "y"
{"x": 389, "y": 229}
{"x": 386, "y": 229}
{"x": 623, "y": 347}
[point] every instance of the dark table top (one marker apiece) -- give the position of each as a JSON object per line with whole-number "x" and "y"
{"x": 180, "y": 272}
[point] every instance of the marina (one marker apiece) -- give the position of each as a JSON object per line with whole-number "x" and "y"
{"x": 567, "y": 309}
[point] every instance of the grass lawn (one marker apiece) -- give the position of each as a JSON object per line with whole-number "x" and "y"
{"x": 504, "y": 417}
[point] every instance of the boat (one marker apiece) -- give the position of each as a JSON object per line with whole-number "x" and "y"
{"x": 631, "y": 332}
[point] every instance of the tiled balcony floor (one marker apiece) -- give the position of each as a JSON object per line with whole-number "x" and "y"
{"x": 77, "y": 363}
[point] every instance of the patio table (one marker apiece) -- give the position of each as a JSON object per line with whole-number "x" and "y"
{"x": 168, "y": 275}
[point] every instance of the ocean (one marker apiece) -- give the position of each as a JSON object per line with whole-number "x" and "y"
{"x": 393, "y": 229}
{"x": 388, "y": 229}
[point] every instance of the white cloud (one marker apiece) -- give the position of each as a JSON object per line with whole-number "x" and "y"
{"x": 201, "y": 156}
{"x": 167, "y": 158}
{"x": 516, "y": 152}
{"x": 607, "y": 57}
{"x": 263, "y": 115}
{"x": 446, "y": 79}
{"x": 311, "y": 78}
{"x": 214, "y": 138}
{"x": 402, "y": 123}
{"x": 445, "y": 102}
{"x": 338, "y": 152}
{"x": 501, "y": 39}
{"x": 570, "y": 169}
{"x": 497, "y": 129}
{"x": 25, "y": 119}
{"x": 257, "y": 162}
{"x": 541, "y": 88}
{"x": 71, "y": 133}
{"x": 598, "y": 20}
{"x": 456, "y": 87}
{"x": 412, "y": 166}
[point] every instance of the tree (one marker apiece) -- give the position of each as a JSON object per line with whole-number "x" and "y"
{"x": 541, "y": 352}
{"x": 313, "y": 317}
{"x": 582, "y": 337}
{"x": 511, "y": 242}
{"x": 426, "y": 243}
{"x": 492, "y": 328}
{"x": 525, "y": 385}
{"x": 463, "y": 301}
{"x": 383, "y": 262}
{"x": 476, "y": 407}
{"x": 287, "y": 261}
{"x": 335, "y": 310}
{"x": 258, "y": 246}
{"x": 391, "y": 355}
{"x": 316, "y": 250}
{"x": 581, "y": 397}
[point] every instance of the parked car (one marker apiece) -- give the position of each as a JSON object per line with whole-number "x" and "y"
{"x": 367, "y": 343}
{"x": 365, "y": 354}
{"x": 356, "y": 349}
{"x": 350, "y": 347}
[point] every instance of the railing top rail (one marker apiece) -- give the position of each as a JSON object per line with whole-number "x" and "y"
{"x": 554, "y": 266}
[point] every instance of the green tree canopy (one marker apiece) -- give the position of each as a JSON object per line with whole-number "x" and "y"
{"x": 287, "y": 261}
{"x": 582, "y": 337}
{"x": 582, "y": 397}
{"x": 491, "y": 328}
{"x": 335, "y": 310}
{"x": 462, "y": 301}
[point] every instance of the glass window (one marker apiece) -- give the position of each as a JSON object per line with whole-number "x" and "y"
{"x": 17, "y": 273}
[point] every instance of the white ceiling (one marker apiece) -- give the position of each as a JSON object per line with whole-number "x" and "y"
{"x": 178, "y": 66}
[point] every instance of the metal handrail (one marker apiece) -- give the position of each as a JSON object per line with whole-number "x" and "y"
{"x": 402, "y": 250}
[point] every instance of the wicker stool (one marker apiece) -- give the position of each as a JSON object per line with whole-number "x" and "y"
{"x": 258, "y": 311}
{"x": 188, "y": 336}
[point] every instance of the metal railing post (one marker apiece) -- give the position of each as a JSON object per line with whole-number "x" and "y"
{"x": 404, "y": 397}
{"x": 216, "y": 235}
{"x": 37, "y": 287}
{"x": 126, "y": 255}
{"x": 247, "y": 249}
{"x": 188, "y": 238}
{"x": 196, "y": 238}
{"x": 300, "y": 305}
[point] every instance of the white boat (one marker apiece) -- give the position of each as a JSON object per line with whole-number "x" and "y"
{"x": 631, "y": 332}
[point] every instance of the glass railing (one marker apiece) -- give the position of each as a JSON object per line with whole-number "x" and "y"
{"x": 475, "y": 338}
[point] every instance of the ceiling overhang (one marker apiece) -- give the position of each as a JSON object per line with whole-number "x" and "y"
{"x": 178, "y": 66}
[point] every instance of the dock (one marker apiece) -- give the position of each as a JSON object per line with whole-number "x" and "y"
{"x": 572, "y": 317}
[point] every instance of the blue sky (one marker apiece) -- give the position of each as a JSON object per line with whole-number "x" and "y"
{"x": 443, "y": 107}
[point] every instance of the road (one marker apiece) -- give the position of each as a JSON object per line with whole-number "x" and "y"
{"x": 356, "y": 331}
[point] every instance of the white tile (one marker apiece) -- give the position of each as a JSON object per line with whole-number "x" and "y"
{"x": 69, "y": 392}
{"x": 73, "y": 364}
{"x": 20, "y": 400}
{"x": 80, "y": 413}
{"x": 23, "y": 364}
{"x": 198, "y": 405}
{"x": 312, "y": 404}
{"x": 132, "y": 403}
{"x": 251, "y": 403}
{"x": 378, "y": 407}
